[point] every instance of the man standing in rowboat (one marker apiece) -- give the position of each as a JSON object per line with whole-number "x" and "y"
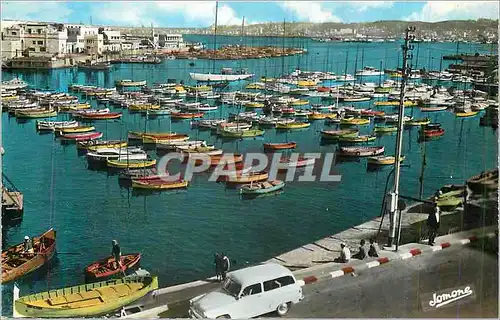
{"x": 116, "y": 253}
{"x": 28, "y": 246}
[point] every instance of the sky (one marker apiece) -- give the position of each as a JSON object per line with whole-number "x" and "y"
{"x": 181, "y": 14}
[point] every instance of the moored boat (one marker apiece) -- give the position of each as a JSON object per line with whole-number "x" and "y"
{"x": 466, "y": 114}
{"x": 356, "y": 139}
{"x": 384, "y": 129}
{"x": 355, "y": 122}
{"x": 130, "y": 164}
{"x": 78, "y": 129}
{"x": 81, "y": 136}
{"x": 247, "y": 178}
{"x": 289, "y": 163}
{"x": 335, "y": 134}
{"x": 93, "y": 145}
{"x": 292, "y": 125}
{"x": 36, "y": 114}
{"x": 383, "y": 160}
{"x": 262, "y": 187}
{"x": 280, "y": 146}
{"x": 159, "y": 184}
{"x": 106, "y": 268}
{"x": 427, "y": 134}
{"x": 85, "y": 300}
{"x": 106, "y": 116}
{"x": 433, "y": 109}
{"x": 242, "y": 133}
{"x": 417, "y": 122}
{"x": 55, "y": 125}
{"x": 484, "y": 182}
{"x": 360, "y": 151}
{"x": 185, "y": 115}
{"x": 16, "y": 264}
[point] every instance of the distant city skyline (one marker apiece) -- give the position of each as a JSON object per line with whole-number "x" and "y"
{"x": 196, "y": 14}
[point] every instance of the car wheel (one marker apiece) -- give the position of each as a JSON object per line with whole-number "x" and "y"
{"x": 283, "y": 309}
{"x": 226, "y": 316}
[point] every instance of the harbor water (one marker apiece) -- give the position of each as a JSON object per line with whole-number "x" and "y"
{"x": 178, "y": 232}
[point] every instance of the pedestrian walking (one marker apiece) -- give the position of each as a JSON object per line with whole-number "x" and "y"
{"x": 433, "y": 223}
{"x": 361, "y": 254}
{"x": 226, "y": 265}
{"x": 345, "y": 253}
{"x": 218, "y": 266}
{"x": 373, "y": 252}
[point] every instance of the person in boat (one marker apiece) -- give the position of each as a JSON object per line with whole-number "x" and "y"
{"x": 218, "y": 265}
{"x": 433, "y": 223}
{"x": 28, "y": 246}
{"x": 372, "y": 252}
{"x": 345, "y": 253}
{"x": 226, "y": 265}
{"x": 116, "y": 253}
{"x": 361, "y": 254}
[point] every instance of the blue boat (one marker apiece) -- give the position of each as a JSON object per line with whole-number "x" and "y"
{"x": 262, "y": 187}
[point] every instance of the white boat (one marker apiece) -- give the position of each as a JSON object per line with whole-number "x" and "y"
{"x": 202, "y": 108}
{"x": 130, "y": 83}
{"x": 120, "y": 154}
{"x": 173, "y": 145}
{"x": 345, "y": 77}
{"x": 55, "y": 125}
{"x": 219, "y": 76}
{"x": 14, "y": 84}
{"x": 369, "y": 71}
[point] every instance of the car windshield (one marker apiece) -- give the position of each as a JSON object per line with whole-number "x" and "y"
{"x": 232, "y": 287}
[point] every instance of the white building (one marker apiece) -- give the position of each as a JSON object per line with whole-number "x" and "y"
{"x": 94, "y": 44}
{"x": 77, "y": 34}
{"x": 112, "y": 40}
{"x": 171, "y": 41}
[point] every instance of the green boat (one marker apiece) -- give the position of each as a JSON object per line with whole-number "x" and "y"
{"x": 449, "y": 201}
{"x": 384, "y": 129}
{"x": 262, "y": 187}
{"x": 86, "y": 300}
{"x": 242, "y": 133}
{"x": 356, "y": 139}
{"x": 383, "y": 89}
{"x": 454, "y": 193}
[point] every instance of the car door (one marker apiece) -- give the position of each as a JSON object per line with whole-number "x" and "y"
{"x": 250, "y": 303}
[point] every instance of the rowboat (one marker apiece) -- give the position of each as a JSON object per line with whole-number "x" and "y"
{"x": 194, "y": 149}
{"x": 201, "y": 152}
{"x": 254, "y": 105}
{"x": 54, "y": 125}
{"x": 159, "y": 184}
{"x": 316, "y": 116}
{"x": 292, "y": 125}
{"x": 130, "y": 174}
{"x": 356, "y": 99}
{"x": 136, "y": 135}
{"x": 262, "y": 187}
{"x": 168, "y": 138}
{"x": 247, "y": 178}
{"x": 16, "y": 265}
{"x": 85, "y": 300}
{"x": 355, "y": 122}
{"x": 143, "y": 107}
{"x": 486, "y": 181}
{"x": 360, "y": 151}
{"x": 299, "y": 103}
{"x": 383, "y": 129}
{"x": 242, "y": 133}
{"x": 128, "y": 153}
{"x": 433, "y": 109}
{"x": 450, "y": 201}
{"x": 93, "y": 145}
{"x": 130, "y": 83}
{"x": 107, "y": 116}
{"x": 186, "y": 115}
{"x": 81, "y": 136}
{"x": 429, "y": 134}
{"x": 229, "y": 158}
{"x": 335, "y": 134}
{"x": 280, "y": 146}
{"x": 383, "y": 160}
{"x": 105, "y": 268}
{"x": 372, "y": 113}
{"x": 132, "y": 164}
{"x": 394, "y": 103}
{"x": 289, "y": 163}
{"x": 79, "y": 129}
{"x": 417, "y": 122}
{"x": 356, "y": 139}
{"x": 466, "y": 114}
{"x": 36, "y": 114}
{"x": 173, "y": 145}
{"x": 81, "y": 106}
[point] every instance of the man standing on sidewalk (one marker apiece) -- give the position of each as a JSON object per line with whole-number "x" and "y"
{"x": 433, "y": 223}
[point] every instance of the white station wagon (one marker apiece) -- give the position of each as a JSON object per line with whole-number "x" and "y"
{"x": 248, "y": 293}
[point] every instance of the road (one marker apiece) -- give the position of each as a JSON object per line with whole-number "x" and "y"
{"x": 394, "y": 289}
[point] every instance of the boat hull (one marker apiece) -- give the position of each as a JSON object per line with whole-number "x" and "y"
{"x": 103, "y": 269}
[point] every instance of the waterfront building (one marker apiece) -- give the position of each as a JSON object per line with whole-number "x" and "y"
{"x": 112, "y": 40}
{"x": 171, "y": 41}
{"x": 94, "y": 44}
{"x": 76, "y": 36}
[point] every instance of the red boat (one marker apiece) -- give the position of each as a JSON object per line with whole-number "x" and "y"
{"x": 323, "y": 89}
{"x": 186, "y": 115}
{"x": 429, "y": 134}
{"x": 81, "y": 136}
{"x": 101, "y": 116}
{"x": 153, "y": 177}
{"x": 104, "y": 268}
{"x": 372, "y": 113}
{"x": 214, "y": 160}
{"x": 288, "y": 111}
{"x": 280, "y": 146}
{"x": 288, "y": 163}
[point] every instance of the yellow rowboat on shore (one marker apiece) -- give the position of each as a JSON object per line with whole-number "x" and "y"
{"x": 86, "y": 300}
{"x": 79, "y": 129}
{"x": 355, "y": 122}
{"x": 383, "y": 160}
{"x": 394, "y": 103}
{"x": 36, "y": 114}
{"x": 159, "y": 184}
{"x": 130, "y": 164}
{"x": 466, "y": 114}
{"x": 292, "y": 125}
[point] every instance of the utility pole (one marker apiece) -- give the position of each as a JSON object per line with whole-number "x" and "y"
{"x": 394, "y": 195}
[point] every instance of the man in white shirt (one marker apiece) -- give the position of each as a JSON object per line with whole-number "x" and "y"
{"x": 345, "y": 253}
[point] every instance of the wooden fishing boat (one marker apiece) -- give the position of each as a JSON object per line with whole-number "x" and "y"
{"x": 130, "y": 83}
{"x": 417, "y": 122}
{"x": 54, "y": 125}
{"x": 79, "y": 129}
{"x": 165, "y": 139}
{"x": 335, "y": 134}
{"x": 94, "y": 145}
{"x": 226, "y": 158}
{"x": 159, "y": 184}
{"x": 394, "y": 103}
{"x": 81, "y": 136}
{"x": 107, "y": 116}
{"x": 356, "y": 99}
{"x": 195, "y": 148}
{"x": 130, "y": 174}
{"x": 292, "y": 125}
{"x": 450, "y": 201}
{"x": 316, "y": 116}
{"x": 143, "y": 107}
{"x": 355, "y": 122}
{"x": 254, "y": 105}
{"x": 242, "y": 133}
{"x": 77, "y": 107}
{"x": 372, "y": 113}
{"x": 299, "y": 103}
{"x": 85, "y": 300}
{"x": 433, "y": 109}
{"x": 289, "y": 163}
{"x": 136, "y": 135}
{"x": 186, "y": 115}
{"x": 383, "y": 160}
{"x": 280, "y": 145}
{"x": 430, "y": 134}
{"x": 105, "y": 268}
{"x": 466, "y": 114}
{"x": 247, "y": 178}
{"x": 194, "y": 154}
{"x": 384, "y": 129}
{"x": 262, "y": 187}
{"x": 131, "y": 164}
{"x": 36, "y": 114}
{"x": 15, "y": 264}
{"x": 360, "y": 151}
{"x": 484, "y": 182}
{"x": 356, "y": 139}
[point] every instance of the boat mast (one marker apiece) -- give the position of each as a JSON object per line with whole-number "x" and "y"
{"x": 215, "y": 34}
{"x": 283, "y": 49}
{"x": 355, "y": 67}
{"x": 362, "y": 66}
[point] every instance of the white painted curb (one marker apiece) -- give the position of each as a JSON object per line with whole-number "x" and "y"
{"x": 337, "y": 273}
{"x": 372, "y": 264}
{"x": 405, "y": 256}
{"x": 437, "y": 248}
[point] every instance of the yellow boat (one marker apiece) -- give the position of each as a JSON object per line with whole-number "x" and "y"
{"x": 10, "y": 98}
{"x": 355, "y": 121}
{"x": 254, "y": 105}
{"x": 242, "y": 133}
{"x": 417, "y": 122}
{"x": 143, "y": 107}
{"x": 180, "y": 89}
{"x": 466, "y": 114}
{"x": 299, "y": 103}
{"x": 131, "y": 164}
{"x": 94, "y": 145}
{"x": 264, "y": 79}
{"x": 159, "y": 184}
{"x": 306, "y": 83}
{"x": 81, "y": 106}
{"x": 383, "y": 160}
{"x": 317, "y": 116}
{"x": 75, "y": 129}
{"x": 153, "y": 139}
{"x": 356, "y": 139}
{"x": 85, "y": 300}
{"x": 255, "y": 86}
{"x": 394, "y": 103}
{"x": 292, "y": 125}
{"x": 200, "y": 88}
{"x": 36, "y": 114}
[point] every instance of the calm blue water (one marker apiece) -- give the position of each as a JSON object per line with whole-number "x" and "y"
{"x": 178, "y": 232}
